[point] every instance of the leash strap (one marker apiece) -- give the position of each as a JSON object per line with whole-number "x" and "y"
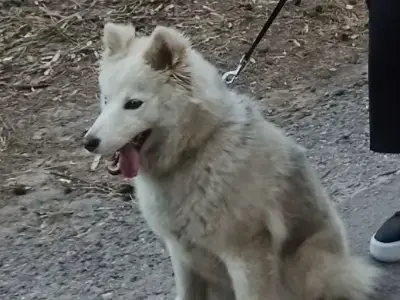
{"x": 230, "y": 76}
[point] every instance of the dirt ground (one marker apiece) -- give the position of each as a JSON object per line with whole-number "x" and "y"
{"x": 70, "y": 231}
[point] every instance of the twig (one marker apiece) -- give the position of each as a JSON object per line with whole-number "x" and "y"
{"x": 29, "y": 87}
{"x": 327, "y": 173}
{"x": 91, "y": 186}
{"x": 390, "y": 172}
{"x": 55, "y": 26}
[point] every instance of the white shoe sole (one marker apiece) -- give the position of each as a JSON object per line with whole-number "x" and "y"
{"x": 384, "y": 252}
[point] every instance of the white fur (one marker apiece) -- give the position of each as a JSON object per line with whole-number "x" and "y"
{"x": 240, "y": 209}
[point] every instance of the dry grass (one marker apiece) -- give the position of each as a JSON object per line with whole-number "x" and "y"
{"x": 41, "y": 39}
{"x": 49, "y": 50}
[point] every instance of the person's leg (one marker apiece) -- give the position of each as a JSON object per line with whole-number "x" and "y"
{"x": 384, "y": 106}
{"x": 384, "y": 75}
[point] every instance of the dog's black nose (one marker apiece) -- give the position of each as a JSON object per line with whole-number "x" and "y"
{"x": 91, "y": 143}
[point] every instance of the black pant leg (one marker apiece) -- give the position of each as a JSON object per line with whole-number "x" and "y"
{"x": 384, "y": 75}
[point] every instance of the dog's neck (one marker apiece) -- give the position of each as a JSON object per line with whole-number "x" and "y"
{"x": 178, "y": 145}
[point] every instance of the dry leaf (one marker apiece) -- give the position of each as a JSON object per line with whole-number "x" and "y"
{"x": 95, "y": 162}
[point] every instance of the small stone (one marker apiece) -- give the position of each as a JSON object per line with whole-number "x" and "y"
{"x": 246, "y": 6}
{"x": 325, "y": 74}
{"x": 346, "y": 136}
{"x": 354, "y": 58}
{"x": 20, "y": 190}
{"x": 344, "y": 37}
{"x": 22, "y": 229}
{"x": 319, "y": 9}
{"x": 67, "y": 190}
{"x": 263, "y": 48}
{"x": 339, "y": 92}
{"x": 107, "y": 296}
{"x": 39, "y": 134}
{"x": 269, "y": 61}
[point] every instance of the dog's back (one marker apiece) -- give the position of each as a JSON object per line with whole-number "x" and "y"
{"x": 317, "y": 263}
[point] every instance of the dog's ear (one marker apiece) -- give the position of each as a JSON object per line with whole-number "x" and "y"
{"x": 117, "y": 37}
{"x": 167, "y": 49}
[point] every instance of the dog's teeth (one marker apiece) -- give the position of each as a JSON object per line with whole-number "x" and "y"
{"x": 114, "y": 169}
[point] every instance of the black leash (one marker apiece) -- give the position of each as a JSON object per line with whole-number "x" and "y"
{"x": 230, "y": 76}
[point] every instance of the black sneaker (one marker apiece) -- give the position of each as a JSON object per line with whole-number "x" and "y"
{"x": 385, "y": 244}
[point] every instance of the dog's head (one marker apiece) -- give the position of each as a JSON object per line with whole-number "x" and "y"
{"x": 149, "y": 102}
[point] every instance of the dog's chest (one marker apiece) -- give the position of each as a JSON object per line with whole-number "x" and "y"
{"x": 172, "y": 215}
{"x": 206, "y": 263}
{"x": 160, "y": 209}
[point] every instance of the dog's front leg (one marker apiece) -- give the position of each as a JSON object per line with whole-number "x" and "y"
{"x": 254, "y": 271}
{"x": 189, "y": 285}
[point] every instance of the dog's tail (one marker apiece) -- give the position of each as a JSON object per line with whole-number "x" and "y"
{"x": 351, "y": 278}
{"x": 320, "y": 274}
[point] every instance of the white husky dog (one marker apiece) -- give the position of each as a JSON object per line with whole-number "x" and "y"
{"x": 236, "y": 202}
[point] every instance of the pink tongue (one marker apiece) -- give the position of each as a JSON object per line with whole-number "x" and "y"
{"x": 129, "y": 161}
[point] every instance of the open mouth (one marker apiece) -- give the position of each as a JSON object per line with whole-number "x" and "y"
{"x": 126, "y": 160}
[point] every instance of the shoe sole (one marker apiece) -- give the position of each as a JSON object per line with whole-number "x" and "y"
{"x": 384, "y": 252}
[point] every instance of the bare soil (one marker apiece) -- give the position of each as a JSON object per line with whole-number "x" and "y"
{"x": 68, "y": 229}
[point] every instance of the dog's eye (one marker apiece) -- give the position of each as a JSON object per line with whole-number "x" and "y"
{"x": 133, "y": 104}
